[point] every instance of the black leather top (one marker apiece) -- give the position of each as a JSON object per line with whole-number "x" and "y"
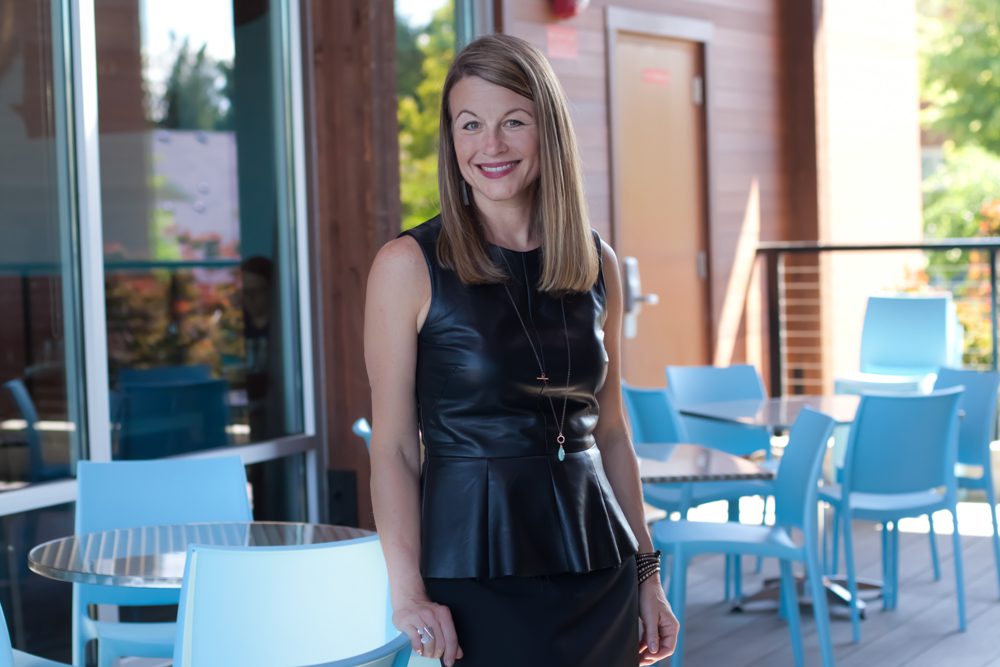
{"x": 496, "y": 500}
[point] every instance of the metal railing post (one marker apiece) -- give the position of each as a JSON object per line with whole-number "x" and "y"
{"x": 993, "y": 306}
{"x": 774, "y": 322}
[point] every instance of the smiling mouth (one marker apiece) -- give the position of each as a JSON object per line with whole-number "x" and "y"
{"x": 497, "y": 169}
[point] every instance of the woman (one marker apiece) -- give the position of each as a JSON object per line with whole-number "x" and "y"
{"x": 493, "y": 331}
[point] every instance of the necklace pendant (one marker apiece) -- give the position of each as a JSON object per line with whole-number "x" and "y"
{"x": 562, "y": 451}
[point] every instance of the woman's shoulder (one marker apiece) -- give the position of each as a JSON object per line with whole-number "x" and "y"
{"x": 426, "y": 232}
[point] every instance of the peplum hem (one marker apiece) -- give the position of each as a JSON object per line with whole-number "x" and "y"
{"x": 520, "y": 516}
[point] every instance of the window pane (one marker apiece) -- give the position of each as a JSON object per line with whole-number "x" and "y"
{"x": 278, "y": 489}
{"x": 38, "y": 609}
{"x": 39, "y": 408}
{"x": 202, "y": 323}
{"x": 425, "y": 47}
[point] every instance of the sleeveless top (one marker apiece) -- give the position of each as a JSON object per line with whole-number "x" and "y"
{"x": 496, "y": 500}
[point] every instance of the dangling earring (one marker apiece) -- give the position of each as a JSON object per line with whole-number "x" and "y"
{"x": 465, "y": 193}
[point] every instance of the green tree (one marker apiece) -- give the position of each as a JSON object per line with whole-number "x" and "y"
{"x": 418, "y": 120}
{"x": 960, "y": 70}
{"x": 197, "y": 93}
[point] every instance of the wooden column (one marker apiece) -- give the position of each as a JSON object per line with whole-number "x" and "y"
{"x": 356, "y": 205}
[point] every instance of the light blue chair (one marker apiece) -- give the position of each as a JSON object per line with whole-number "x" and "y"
{"x": 975, "y": 433}
{"x": 795, "y": 493}
{"x": 690, "y": 385}
{"x": 11, "y": 658}
{"x": 363, "y": 430}
{"x": 265, "y": 606}
{"x": 126, "y": 494}
{"x": 39, "y": 469}
{"x": 655, "y": 425}
{"x": 905, "y": 339}
{"x": 899, "y": 463}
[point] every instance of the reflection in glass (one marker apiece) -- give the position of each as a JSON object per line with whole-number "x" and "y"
{"x": 37, "y": 609}
{"x": 38, "y": 408}
{"x": 197, "y": 257}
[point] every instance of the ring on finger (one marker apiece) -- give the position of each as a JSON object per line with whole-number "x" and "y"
{"x": 426, "y": 636}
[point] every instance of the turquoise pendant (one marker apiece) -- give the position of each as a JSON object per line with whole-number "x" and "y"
{"x": 562, "y": 452}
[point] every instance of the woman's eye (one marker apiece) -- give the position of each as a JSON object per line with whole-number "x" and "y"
{"x": 471, "y": 125}
{"x": 513, "y": 122}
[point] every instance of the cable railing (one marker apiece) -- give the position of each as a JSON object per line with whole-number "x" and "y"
{"x": 796, "y": 275}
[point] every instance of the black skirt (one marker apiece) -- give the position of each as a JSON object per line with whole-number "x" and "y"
{"x": 565, "y": 620}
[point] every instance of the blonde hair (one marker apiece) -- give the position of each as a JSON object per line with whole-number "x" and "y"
{"x": 559, "y": 218}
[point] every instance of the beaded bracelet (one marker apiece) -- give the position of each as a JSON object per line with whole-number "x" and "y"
{"x": 647, "y": 565}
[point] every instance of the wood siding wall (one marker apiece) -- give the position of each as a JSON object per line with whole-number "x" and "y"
{"x": 760, "y": 136}
{"x": 356, "y": 205}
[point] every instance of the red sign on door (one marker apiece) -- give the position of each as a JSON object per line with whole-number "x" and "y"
{"x": 656, "y": 77}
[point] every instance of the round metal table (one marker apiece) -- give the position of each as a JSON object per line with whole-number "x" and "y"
{"x": 154, "y": 556}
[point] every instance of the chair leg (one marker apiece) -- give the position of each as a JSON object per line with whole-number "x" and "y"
{"x": 935, "y": 561}
{"x": 678, "y": 593}
{"x": 836, "y": 539}
{"x": 894, "y": 536}
{"x": 959, "y": 574}
{"x": 735, "y": 562}
{"x": 992, "y": 500}
{"x": 791, "y": 604}
{"x": 886, "y": 568}
{"x": 763, "y": 522}
{"x": 852, "y": 582}
{"x": 820, "y": 609}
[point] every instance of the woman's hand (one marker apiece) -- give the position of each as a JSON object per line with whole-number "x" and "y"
{"x": 430, "y": 629}
{"x": 659, "y": 625}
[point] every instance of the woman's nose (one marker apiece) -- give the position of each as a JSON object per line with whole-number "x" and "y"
{"x": 495, "y": 143}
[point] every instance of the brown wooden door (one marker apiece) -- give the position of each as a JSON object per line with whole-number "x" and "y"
{"x": 658, "y": 137}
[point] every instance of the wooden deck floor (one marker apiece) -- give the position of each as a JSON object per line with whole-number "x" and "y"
{"x": 921, "y": 631}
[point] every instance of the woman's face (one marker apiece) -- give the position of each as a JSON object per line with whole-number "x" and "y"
{"x": 496, "y": 141}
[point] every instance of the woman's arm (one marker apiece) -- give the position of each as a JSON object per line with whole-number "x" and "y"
{"x": 659, "y": 624}
{"x": 397, "y": 300}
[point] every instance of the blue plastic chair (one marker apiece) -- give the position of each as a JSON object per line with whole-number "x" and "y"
{"x": 690, "y": 385}
{"x": 905, "y": 339}
{"x": 900, "y": 454}
{"x": 975, "y": 432}
{"x": 263, "y": 606}
{"x": 158, "y": 419}
{"x": 363, "y": 430}
{"x": 40, "y": 470}
{"x": 11, "y": 658}
{"x": 126, "y": 494}
{"x": 795, "y": 493}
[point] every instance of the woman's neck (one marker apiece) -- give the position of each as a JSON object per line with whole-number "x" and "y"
{"x": 508, "y": 226}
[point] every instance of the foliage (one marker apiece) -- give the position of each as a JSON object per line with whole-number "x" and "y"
{"x": 960, "y": 69}
{"x": 418, "y": 114}
{"x": 198, "y": 93}
{"x": 962, "y": 199}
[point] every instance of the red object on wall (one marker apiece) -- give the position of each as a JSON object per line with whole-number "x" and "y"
{"x": 565, "y": 9}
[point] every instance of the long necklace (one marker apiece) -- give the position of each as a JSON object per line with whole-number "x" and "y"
{"x": 540, "y": 352}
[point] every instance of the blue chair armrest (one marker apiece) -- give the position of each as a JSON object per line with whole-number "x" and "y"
{"x": 395, "y": 653}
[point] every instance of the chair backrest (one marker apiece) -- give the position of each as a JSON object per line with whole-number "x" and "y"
{"x": 363, "y": 430}
{"x": 39, "y": 470}
{"x": 652, "y": 415}
{"x": 795, "y": 492}
{"x": 126, "y": 494}
{"x": 165, "y": 374}
{"x": 707, "y": 384}
{"x": 689, "y": 385}
{"x": 903, "y": 443}
{"x": 907, "y": 335}
{"x": 264, "y": 606}
{"x": 166, "y": 418}
{"x": 979, "y": 411}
